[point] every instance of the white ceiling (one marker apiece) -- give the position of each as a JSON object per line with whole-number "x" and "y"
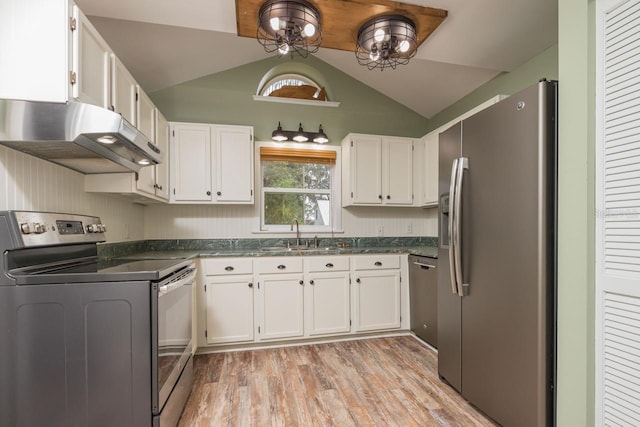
{"x": 166, "y": 42}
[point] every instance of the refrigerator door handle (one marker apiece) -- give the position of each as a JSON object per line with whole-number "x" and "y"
{"x": 451, "y": 226}
{"x": 463, "y": 164}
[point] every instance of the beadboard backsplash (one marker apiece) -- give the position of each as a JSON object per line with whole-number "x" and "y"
{"x": 28, "y": 183}
{"x": 219, "y": 222}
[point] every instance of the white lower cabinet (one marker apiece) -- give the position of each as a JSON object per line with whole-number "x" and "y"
{"x": 229, "y": 293}
{"x": 376, "y": 292}
{"x": 280, "y": 297}
{"x": 284, "y": 298}
{"x": 229, "y": 309}
{"x": 327, "y": 296}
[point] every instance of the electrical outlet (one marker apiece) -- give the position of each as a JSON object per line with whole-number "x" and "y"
{"x": 380, "y": 231}
{"x": 409, "y": 228}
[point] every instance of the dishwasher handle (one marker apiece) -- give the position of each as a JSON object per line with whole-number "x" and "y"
{"x": 423, "y": 265}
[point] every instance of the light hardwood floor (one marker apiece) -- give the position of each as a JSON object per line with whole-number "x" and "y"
{"x": 372, "y": 382}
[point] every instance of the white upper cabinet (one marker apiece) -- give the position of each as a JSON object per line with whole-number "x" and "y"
{"x": 233, "y": 178}
{"x": 145, "y": 114}
{"x": 91, "y": 59}
{"x": 429, "y": 170}
{"x": 377, "y": 170}
{"x": 162, "y": 170}
{"x": 35, "y": 46}
{"x": 190, "y": 163}
{"x": 397, "y": 171}
{"x": 211, "y": 163}
{"x": 123, "y": 91}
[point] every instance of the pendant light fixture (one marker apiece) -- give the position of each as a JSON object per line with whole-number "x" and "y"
{"x": 288, "y": 27}
{"x": 386, "y": 41}
{"x": 300, "y": 135}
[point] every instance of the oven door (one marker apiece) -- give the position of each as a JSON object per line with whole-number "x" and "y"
{"x": 171, "y": 329}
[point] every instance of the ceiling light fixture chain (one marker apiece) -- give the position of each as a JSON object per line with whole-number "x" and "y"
{"x": 289, "y": 27}
{"x": 386, "y": 41}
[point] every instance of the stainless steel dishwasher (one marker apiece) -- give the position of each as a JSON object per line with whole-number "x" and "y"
{"x": 423, "y": 298}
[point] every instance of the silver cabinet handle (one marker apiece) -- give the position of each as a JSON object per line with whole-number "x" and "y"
{"x": 463, "y": 164}
{"x": 451, "y": 226}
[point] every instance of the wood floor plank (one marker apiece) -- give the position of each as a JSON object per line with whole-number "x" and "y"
{"x": 374, "y": 382}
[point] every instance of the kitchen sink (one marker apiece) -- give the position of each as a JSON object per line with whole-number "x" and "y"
{"x": 297, "y": 248}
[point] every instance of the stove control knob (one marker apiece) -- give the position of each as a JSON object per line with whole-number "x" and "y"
{"x": 25, "y": 228}
{"x": 92, "y": 228}
{"x": 102, "y": 228}
{"x": 39, "y": 228}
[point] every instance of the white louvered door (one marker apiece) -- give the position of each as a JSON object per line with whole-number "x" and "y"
{"x": 618, "y": 213}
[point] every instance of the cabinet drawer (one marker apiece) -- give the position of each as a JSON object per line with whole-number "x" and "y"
{"x": 317, "y": 264}
{"x": 278, "y": 265}
{"x": 215, "y": 266}
{"x": 376, "y": 262}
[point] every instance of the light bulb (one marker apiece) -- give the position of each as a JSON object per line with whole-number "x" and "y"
{"x": 374, "y": 55}
{"x": 404, "y": 46}
{"x": 275, "y": 24}
{"x": 144, "y": 162}
{"x": 107, "y": 139}
{"x": 283, "y": 49}
{"x": 379, "y": 35}
{"x": 309, "y": 30}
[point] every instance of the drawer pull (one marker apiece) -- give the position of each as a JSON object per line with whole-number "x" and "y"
{"x": 311, "y": 282}
{"x": 357, "y": 280}
{"x": 250, "y": 285}
{"x": 329, "y": 265}
{"x": 282, "y": 267}
{"x": 229, "y": 268}
{"x": 378, "y": 264}
{"x": 301, "y": 282}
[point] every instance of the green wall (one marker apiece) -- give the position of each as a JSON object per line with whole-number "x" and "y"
{"x": 226, "y": 97}
{"x": 576, "y": 214}
{"x": 543, "y": 65}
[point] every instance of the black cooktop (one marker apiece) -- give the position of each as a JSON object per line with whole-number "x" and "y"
{"x": 93, "y": 271}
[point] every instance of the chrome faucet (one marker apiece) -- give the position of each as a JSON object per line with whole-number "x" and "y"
{"x": 295, "y": 221}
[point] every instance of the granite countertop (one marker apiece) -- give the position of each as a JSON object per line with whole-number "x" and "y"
{"x": 193, "y": 248}
{"x": 429, "y": 251}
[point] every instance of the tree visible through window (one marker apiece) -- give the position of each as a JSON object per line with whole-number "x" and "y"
{"x": 299, "y": 191}
{"x": 298, "y": 182}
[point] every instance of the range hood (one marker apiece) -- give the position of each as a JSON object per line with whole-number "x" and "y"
{"x": 82, "y": 137}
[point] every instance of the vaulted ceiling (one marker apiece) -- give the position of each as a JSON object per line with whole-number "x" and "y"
{"x": 166, "y": 42}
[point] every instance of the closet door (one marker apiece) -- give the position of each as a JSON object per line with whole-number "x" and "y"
{"x": 618, "y": 213}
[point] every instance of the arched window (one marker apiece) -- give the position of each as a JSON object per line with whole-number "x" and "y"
{"x": 294, "y": 86}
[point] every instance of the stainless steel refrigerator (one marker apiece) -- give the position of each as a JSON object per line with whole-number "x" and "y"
{"x": 497, "y": 257}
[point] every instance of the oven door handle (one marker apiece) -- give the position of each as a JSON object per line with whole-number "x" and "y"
{"x": 185, "y": 278}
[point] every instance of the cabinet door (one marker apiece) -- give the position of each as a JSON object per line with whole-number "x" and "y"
{"x": 145, "y": 114}
{"x": 430, "y": 170}
{"x": 191, "y": 162}
{"x": 123, "y": 91}
{"x": 281, "y": 306}
{"x": 233, "y": 159}
{"x": 91, "y": 56}
{"x": 377, "y": 300}
{"x": 145, "y": 119}
{"x": 229, "y": 308}
{"x": 328, "y": 307}
{"x": 162, "y": 170}
{"x": 397, "y": 171}
{"x": 366, "y": 169}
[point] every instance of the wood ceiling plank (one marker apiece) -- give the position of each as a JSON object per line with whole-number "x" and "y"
{"x": 341, "y": 19}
